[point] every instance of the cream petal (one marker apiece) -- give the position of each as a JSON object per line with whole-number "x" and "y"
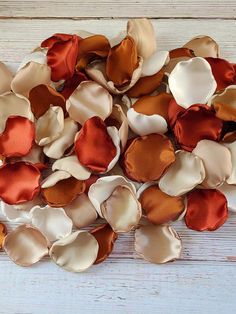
{"x": 142, "y": 31}
{"x": 81, "y": 211}
{"x": 217, "y": 162}
{"x": 72, "y": 165}
{"x": 35, "y": 155}
{"x": 203, "y": 46}
{"x": 144, "y": 186}
{"x": 89, "y": 100}
{"x": 103, "y": 188}
{"x": 183, "y": 175}
{"x": 5, "y": 79}
{"x": 192, "y": 82}
{"x": 117, "y": 39}
{"x": 25, "y": 245}
{"x": 232, "y": 148}
{"x": 39, "y": 56}
{"x": 50, "y": 126}
{"x": 31, "y": 75}
{"x": 14, "y": 105}
{"x": 122, "y": 210}
{"x": 229, "y": 191}
{"x": 75, "y": 253}
{"x": 155, "y": 63}
{"x": 57, "y": 148}
{"x": 114, "y": 134}
{"x": 52, "y": 222}
{"x": 142, "y": 124}
{"x": 55, "y": 177}
{"x": 157, "y": 244}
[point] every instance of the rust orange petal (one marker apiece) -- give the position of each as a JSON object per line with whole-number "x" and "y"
{"x": 122, "y": 60}
{"x": 206, "y": 210}
{"x": 223, "y": 71}
{"x": 42, "y": 96}
{"x": 19, "y": 182}
{"x": 3, "y": 233}
{"x": 225, "y": 111}
{"x": 91, "y": 180}
{"x": 198, "y": 122}
{"x": 159, "y": 207}
{"x": 63, "y": 192}
{"x": 94, "y": 147}
{"x": 146, "y": 85}
{"x": 72, "y": 83}
{"x": 181, "y": 52}
{"x": 18, "y": 137}
{"x": 106, "y": 238}
{"x": 147, "y": 157}
{"x": 174, "y": 110}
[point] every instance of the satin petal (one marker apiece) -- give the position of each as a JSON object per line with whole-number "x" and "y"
{"x": 203, "y": 46}
{"x": 5, "y": 79}
{"x": 3, "y": 233}
{"x": 155, "y": 63}
{"x": 177, "y": 55}
{"x": 229, "y": 191}
{"x": 232, "y": 148}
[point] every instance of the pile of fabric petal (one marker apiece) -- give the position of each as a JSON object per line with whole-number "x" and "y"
{"x": 97, "y": 133}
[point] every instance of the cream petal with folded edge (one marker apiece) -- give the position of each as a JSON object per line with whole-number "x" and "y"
{"x": 232, "y": 148}
{"x": 155, "y": 63}
{"x": 229, "y": 191}
{"x": 142, "y": 124}
{"x": 183, "y": 175}
{"x": 5, "y": 79}
{"x": 217, "y": 162}
{"x": 157, "y": 244}
{"x": 103, "y": 188}
{"x": 75, "y": 253}
{"x": 52, "y": 222}
{"x": 203, "y": 46}
{"x": 72, "y": 165}
{"x": 50, "y": 126}
{"x": 39, "y": 56}
{"x": 192, "y": 82}
{"x": 114, "y": 134}
{"x": 57, "y": 148}
{"x": 122, "y": 209}
{"x": 89, "y": 100}
{"x": 55, "y": 177}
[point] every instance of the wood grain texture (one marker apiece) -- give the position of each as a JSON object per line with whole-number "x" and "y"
{"x": 114, "y": 8}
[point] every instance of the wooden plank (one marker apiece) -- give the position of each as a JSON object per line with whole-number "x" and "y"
{"x": 113, "y": 8}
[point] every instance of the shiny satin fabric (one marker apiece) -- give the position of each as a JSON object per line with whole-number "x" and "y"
{"x": 72, "y": 83}
{"x": 3, "y": 233}
{"x": 174, "y": 110}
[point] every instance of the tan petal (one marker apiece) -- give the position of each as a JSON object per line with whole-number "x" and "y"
{"x": 50, "y": 126}
{"x": 142, "y": 31}
{"x": 157, "y": 244}
{"x": 212, "y": 155}
{"x": 88, "y": 100}
{"x": 232, "y": 148}
{"x": 31, "y": 75}
{"x": 75, "y": 253}
{"x": 25, "y": 245}
{"x": 203, "y": 46}
{"x": 122, "y": 210}
{"x": 5, "y": 79}
{"x": 229, "y": 191}
{"x": 183, "y": 175}
{"x": 81, "y": 211}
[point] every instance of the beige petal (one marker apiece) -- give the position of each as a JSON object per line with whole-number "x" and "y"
{"x": 35, "y": 155}
{"x": 155, "y": 63}
{"x": 183, "y": 175}
{"x": 88, "y": 100}
{"x": 192, "y": 82}
{"x": 55, "y": 177}
{"x": 122, "y": 209}
{"x": 81, "y": 211}
{"x": 203, "y": 46}
{"x": 157, "y": 244}
{"x": 52, "y": 222}
{"x": 217, "y": 162}
{"x": 5, "y": 79}
{"x": 25, "y": 245}
{"x": 38, "y": 56}
{"x": 75, "y": 253}
{"x": 50, "y": 126}
{"x": 232, "y": 148}
{"x": 30, "y": 76}
{"x": 14, "y": 105}
{"x": 114, "y": 134}
{"x": 57, "y": 148}
{"x": 72, "y": 165}
{"x": 102, "y": 189}
{"x": 142, "y": 31}
{"x": 229, "y": 191}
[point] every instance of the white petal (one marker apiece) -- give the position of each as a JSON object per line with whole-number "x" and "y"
{"x": 55, "y": 177}
{"x": 229, "y": 191}
{"x": 114, "y": 134}
{"x": 5, "y": 79}
{"x": 232, "y": 148}
{"x": 155, "y": 63}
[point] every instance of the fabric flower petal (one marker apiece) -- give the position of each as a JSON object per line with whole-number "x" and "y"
{"x": 177, "y": 55}
{"x": 39, "y": 56}
{"x": 70, "y": 85}
{"x": 206, "y": 210}
{"x": 232, "y": 148}
{"x": 5, "y": 79}
{"x": 203, "y": 46}
{"x": 157, "y": 244}
{"x": 3, "y": 233}
{"x": 54, "y": 178}
{"x": 155, "y": 63}
{"x": 229, "y": 191}
{"x": 174, "y": 110}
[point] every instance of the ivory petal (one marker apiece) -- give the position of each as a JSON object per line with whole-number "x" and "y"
{"x": 5, "y": 79}
{"x": 155, "y": 63}
{"x": 55, "y": 177}
{"x": 232, "y": 148}
{"x": 229, "y": 191}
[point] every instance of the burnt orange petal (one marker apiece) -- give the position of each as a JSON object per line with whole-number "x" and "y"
{"x": 206, "y": 210}
{"x": 41, "y": 97}
{"x": 63, "y": 192}
{"x": 94, "y": 147}
{"x": 72, "y": 83}
{"x": 181, "y": 52}
{"x": 159, "y": 207}
{"x": 174, "y": 110}
{"x": 19, "y": 182}
{"x": 18, "y": 137}
{"x": 198, "y": 122}
{"x": 3, "y": 233}
{"x": 121, "y": 62}
{"x": 106, "y": 238}
{"x": 150, "y": 105}
{"x": 225, "y": 112}
{"x": 146, "y": 85}
{"x": 62, "y": 55}
{"x": 147, "y": 157}
{"x": 223, "y": 71}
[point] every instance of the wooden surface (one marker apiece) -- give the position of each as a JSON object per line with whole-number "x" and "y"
{"x": 204, "y": 280}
